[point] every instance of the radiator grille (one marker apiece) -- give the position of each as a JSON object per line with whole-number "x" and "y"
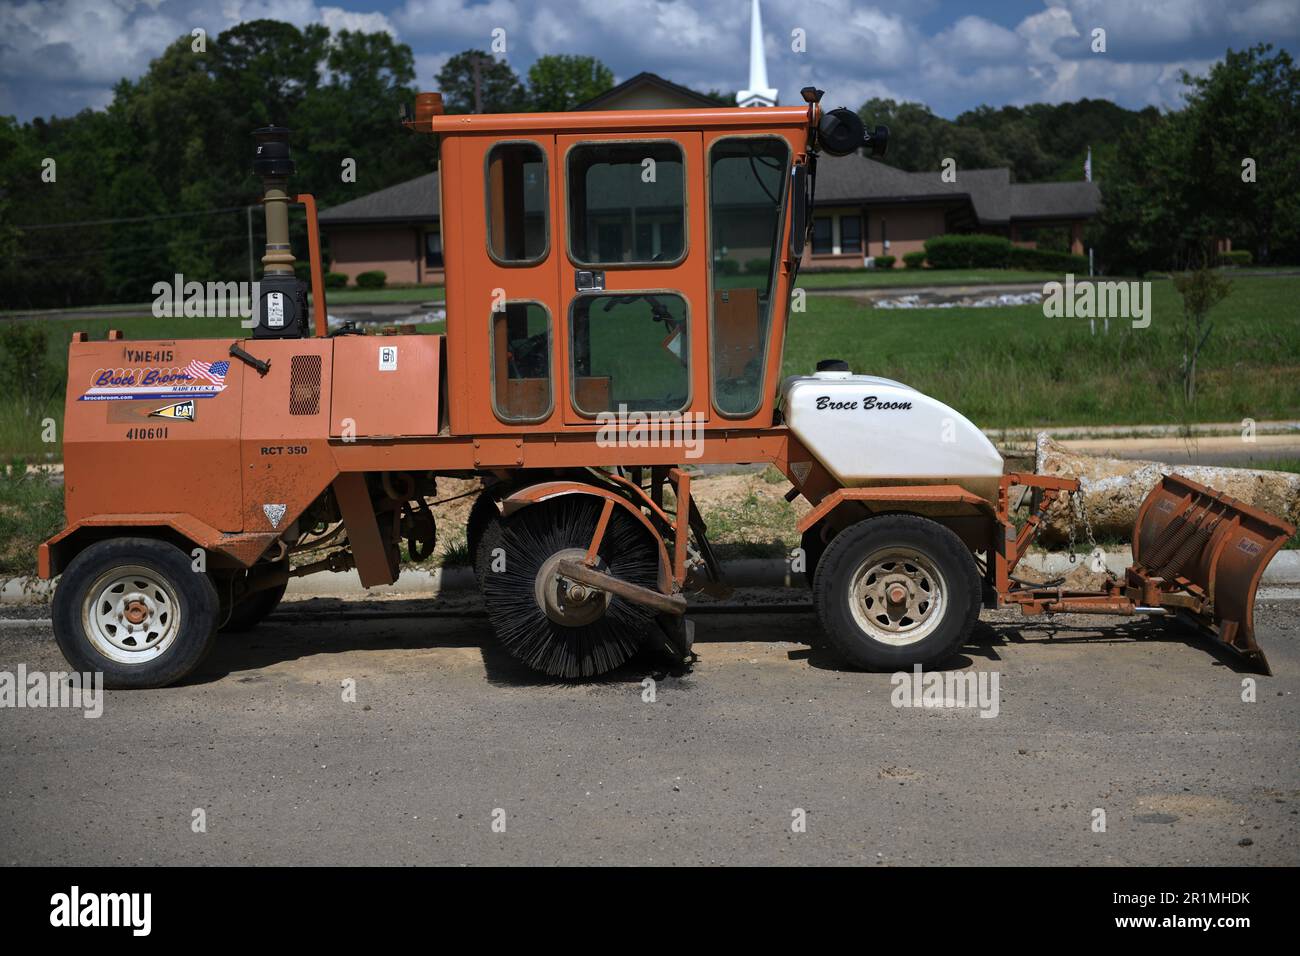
{"x": 304, "y": 385}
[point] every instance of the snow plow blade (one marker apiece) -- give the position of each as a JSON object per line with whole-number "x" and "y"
{"x": 1200, "y": 554}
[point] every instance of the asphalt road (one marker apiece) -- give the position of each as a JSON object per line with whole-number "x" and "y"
{"x": 447, "y": 735}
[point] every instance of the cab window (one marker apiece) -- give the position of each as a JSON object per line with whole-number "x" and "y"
{"x": 629, "y": 351}
{"x": 747, "y": 177}
{"x": 517, "y": 197}
{"x": 521, "y": 362}
{"x": 627, "y": 203}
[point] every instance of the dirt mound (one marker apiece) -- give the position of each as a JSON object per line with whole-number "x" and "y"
{"x": 1113, "y": 489}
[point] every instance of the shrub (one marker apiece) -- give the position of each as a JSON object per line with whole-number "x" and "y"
{"x": 967, "y": 252}
{"x": 885, "y": 262}
{"x": 726, "y": 267}
{"x": 914, "y": 260}
{"x": 26, "y": 371}
{"x": 335, "y": 280}
{"x": 374, "y": 279}
{"x": 1046, "y": 260}
{"x": 758, "y": 266}
{"x": 1237, "y": 257}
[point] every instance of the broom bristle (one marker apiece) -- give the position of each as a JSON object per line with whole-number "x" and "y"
{"x": 529, "y": 538}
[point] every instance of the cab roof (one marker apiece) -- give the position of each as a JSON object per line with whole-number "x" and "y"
{"x": 595, "y": 121}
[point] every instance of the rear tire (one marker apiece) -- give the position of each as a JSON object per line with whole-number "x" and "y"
{"x": 895, "y": 591}
{"x": 137, "y": 611}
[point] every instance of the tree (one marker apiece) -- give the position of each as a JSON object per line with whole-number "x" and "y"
{"x": 354, "y": 116}
{"x": 1247, "y": 109}
{"x": 558, "y": 83}
{"x": 171, "y": 155}
{"x": 472, "y": 81}
{"x": 1181, "y": 183}
{"x": 1039, "y": 143}
{"x": 1201, "y": 290}
{"x": 266, "y": 68}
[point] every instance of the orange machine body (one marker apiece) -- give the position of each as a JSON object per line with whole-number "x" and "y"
{"x": 229, "y": 466}
{"x": 248, "y": 449}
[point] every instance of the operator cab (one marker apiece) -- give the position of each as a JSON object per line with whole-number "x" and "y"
{"x": 612, "y": 263}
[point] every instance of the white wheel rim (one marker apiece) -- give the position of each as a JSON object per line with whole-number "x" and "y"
{"x": 898, "y": 596}
{"x": 131, "y": 615}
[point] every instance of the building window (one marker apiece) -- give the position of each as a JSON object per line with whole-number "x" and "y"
{"x": 517, "y": 198}
{"x": 850, "y": 233}
{"x": 433, "y": 250}
{"x": 747, "y": 177}
{"x": 627, "y": 203}
{"x": 822, "y": 243}
{"x": 629, "y": 350}
{"x": 521, "y": 362}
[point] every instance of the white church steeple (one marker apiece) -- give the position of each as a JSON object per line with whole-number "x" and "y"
{"x": 759, "y": 93}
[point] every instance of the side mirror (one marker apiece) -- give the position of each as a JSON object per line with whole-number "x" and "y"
{"x": 842, "y": 131}
{"x": 878, "y": 141}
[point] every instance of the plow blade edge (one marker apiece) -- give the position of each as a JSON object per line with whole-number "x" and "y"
{"x": 1203, "y": 553}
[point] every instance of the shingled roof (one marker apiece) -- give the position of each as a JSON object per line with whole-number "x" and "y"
{"x": 415, "y": 200}
{"x": 1055, "y": 200}
{"x": 994, "y": 198}
{"x": 653, "y": 81}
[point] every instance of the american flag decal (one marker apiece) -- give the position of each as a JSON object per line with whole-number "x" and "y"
{"x": 214, "y": 372}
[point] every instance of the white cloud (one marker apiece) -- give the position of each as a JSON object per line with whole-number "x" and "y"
{"x": 977, "y": 39}
{"x": 62, "y": 55}
{"x": 338, "y": 19}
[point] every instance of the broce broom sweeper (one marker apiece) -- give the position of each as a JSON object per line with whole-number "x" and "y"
{"x": 591, "y": 270}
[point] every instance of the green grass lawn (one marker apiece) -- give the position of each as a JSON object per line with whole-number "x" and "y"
{"x": 1006, "y": 367}
{"x": 31, "y": 511}
{"x": 355, "y": 296}
{"x": 349, "y": 296}
{"x": 890, "y": 278}
{"x": 884, "y": 278}
{"x": 1012, "y": 367}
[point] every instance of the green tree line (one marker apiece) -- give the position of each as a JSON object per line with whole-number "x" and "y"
{"x": 171, "y": 154}
{"x": 1173, "y": 183}
{"x": 169, "y": 158}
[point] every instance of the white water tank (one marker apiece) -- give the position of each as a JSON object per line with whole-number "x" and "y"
{"x": 874, "y": 431}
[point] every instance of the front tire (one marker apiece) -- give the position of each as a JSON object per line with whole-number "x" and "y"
{"x": 137, "y": 611}
{"x": 250, "y": 611}
{"x": 895, "y": 591}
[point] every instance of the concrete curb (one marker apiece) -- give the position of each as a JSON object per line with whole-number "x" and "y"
{"x": 1283, "y": 570}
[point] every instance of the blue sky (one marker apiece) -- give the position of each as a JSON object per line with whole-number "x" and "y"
{"x": 59, "y": 56}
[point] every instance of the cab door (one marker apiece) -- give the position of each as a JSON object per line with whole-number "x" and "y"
{"x": 630, "y": 219}
{"x": 502, "y": 295}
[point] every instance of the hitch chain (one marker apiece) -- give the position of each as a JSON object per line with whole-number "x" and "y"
{"x": 1079, "y": 516}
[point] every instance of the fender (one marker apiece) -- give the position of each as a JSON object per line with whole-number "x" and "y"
{"x": 243, "y": 549}
{"x": 547, "y": 490}
{"x": 956, "y": 501}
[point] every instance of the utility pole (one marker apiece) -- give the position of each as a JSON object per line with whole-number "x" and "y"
{"x": 477, "y": 61}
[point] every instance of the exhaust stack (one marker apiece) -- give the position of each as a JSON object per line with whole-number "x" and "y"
{"x": 282, "y": 306}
